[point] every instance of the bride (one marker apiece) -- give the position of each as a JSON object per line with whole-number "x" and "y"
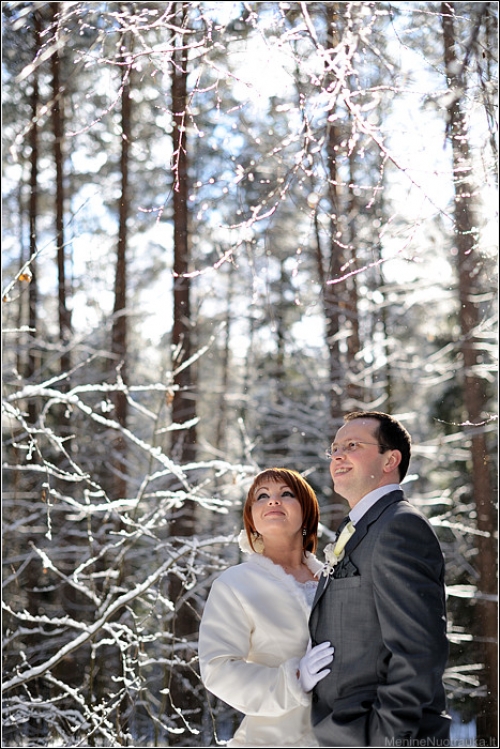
{"x": 253, "y": 639}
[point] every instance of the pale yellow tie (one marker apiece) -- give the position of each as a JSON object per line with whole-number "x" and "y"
{"x": 344, "y": 537}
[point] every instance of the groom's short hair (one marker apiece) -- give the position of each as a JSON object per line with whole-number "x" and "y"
{"x": 391, "y": 435}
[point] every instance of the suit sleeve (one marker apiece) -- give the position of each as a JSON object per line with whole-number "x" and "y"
{"x": 224, "y": 647}
{"x": 408, "y": 572}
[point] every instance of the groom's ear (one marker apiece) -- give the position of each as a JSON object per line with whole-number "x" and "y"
{"x": 393, "y": 459}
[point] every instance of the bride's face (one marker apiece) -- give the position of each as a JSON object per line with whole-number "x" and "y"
{"x": 276, "y": 510}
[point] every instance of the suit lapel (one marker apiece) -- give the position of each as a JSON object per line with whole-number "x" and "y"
{"x": 323, "y": 582}
{"x": 370, "y": 517}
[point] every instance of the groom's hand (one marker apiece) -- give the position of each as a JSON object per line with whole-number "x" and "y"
{"x": 311, "y": 665}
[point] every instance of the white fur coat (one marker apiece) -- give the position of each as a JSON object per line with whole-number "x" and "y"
{"x": 253, "y": 633}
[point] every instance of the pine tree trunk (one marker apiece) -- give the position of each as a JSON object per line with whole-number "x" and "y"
{"x": 354, "y": 389}
{"x": 120, "y": 319}
{"x": 474, "y": 387}
{"x": 184, "y": 404}
{"x": 58, "y": 129}
{"x": 182, "y": 681}
{"x": 333, "y": 292}
{"x": 221, "y": 426}
{"x": 32, "y": 360}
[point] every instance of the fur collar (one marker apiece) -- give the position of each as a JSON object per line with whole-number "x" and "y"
{"x": 287, "y": 580}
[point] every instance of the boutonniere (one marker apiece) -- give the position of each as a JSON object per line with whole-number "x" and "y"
{"x": 334, "y": 552}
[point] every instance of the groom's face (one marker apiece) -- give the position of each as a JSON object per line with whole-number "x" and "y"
{"x": 357, "y": 466}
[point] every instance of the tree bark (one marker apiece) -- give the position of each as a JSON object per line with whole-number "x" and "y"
{"x": 475, "y": 395}
{"x": 332, "y": 295}
{"x": 221, "y": 426}
{"x": 354, "y": 389}
{"x": 58, "y": 129}
{"x": 184, "y": 403}
{"x": 120, "y": 320}
{"x": 183, "y": 446}
{"x": 33, "y": 356}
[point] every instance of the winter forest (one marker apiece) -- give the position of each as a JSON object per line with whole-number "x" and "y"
{"x": 226, "y": 225}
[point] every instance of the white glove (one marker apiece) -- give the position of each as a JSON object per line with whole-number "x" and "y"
{"x": 311, "y": 664}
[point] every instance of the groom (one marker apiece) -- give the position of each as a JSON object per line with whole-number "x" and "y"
{"x": 383, "y": 605}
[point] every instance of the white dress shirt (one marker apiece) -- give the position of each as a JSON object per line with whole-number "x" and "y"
{"x": 369, "y": 500}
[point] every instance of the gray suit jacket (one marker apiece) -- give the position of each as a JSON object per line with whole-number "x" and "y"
{"x": 384, "y": 612}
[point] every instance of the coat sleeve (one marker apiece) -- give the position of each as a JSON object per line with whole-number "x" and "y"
{"x": 408, "y": 572}
{"x": 224, "y": 646}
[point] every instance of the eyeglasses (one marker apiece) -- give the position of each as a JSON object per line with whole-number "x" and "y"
{"x": 350, "y": 447}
